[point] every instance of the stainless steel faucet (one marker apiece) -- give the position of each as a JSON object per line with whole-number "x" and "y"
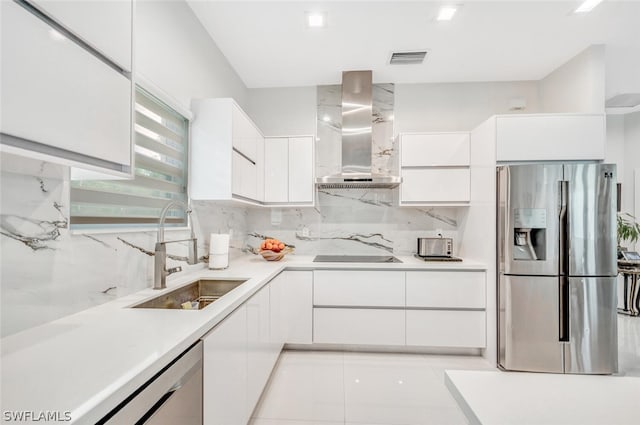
{"x": 160, "y": 271}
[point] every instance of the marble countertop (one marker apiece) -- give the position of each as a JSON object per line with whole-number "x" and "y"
{"x": 88, "y": 362}
{"x": 501, "y": 398}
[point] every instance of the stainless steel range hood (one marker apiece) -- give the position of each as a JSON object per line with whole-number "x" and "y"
{"x": 357, "y": 99}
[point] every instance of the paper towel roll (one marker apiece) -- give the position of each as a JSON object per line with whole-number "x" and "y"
{"x": 219, "y": 251}
{"x": 218, "y": 261}
{"x": 219, "y": 244}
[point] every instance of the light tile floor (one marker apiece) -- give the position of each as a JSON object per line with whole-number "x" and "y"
{"x": 330, "y": 388}
{"x": 327, "y": 388}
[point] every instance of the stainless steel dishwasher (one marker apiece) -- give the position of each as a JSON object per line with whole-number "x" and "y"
{"x": 173, "y": 396}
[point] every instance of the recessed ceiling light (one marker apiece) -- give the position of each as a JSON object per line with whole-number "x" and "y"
{"x": 446, "y": 13}
{"x": 316, "y": 19}
{"x": 587, "y": 6}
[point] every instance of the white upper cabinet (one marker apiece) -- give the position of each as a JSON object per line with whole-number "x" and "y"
{"x": 443, "y": 149}
{"x": 435, "y": 169}
{"x": 227, "y": 153}
{"x": 106, "y": 25}
{"x": 550, "y": 137}
{"x": 59, "y": 101}
{"x": 276, "y": 170}
{"x": 288, "y": 170}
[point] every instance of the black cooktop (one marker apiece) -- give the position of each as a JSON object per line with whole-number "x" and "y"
{"x": 356, "y": 259}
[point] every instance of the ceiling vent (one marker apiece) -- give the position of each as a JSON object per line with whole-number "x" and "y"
{"x": 408, "y": 58}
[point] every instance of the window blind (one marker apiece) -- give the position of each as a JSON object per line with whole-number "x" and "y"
{"x": 161, "y": 158}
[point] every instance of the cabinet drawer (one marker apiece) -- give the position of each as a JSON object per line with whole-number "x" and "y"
{"x": 434, "y": 149}
{"x": 435, "y": 185}
{"x": 358, "y": 288}
{"x": 443, "y": 328}
{"x": 358, "y": 326}
{"x": 446, "y": 289}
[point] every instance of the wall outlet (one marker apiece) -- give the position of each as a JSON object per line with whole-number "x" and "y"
{"x": 305, "y": 232}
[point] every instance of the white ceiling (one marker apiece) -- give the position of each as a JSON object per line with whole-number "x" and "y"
{"x": 269, "y": 45}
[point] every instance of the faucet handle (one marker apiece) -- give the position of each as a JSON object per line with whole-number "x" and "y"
{"x": 174, "y": 270}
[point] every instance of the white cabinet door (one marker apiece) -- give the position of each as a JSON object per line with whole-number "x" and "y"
{"x": 276, "y": 173}
{"x": 106, "y": 25}
{"x": 297, "y": 306}
{"x": 57, "y": 94}
{"x": 443, "y": 328}
{"x": 424, "y": 185}
{"x": 359, "y": 288}
{"x": 225, "y": 371}
{"x": 550, "y": 137}
{"x": 435, "y": 149}
{"x": 358, "y": 326}
{"x": 446, "y": 289}
{"x": 244, "y": 177}
{"x": 245, "y": 135}
{"x": 277, "y": 324}
{"x": 259, "y": 359}
{"x": 301, "y": 170}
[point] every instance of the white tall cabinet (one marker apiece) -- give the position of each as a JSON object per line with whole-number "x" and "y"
{"x": 288, "y": 175}
{"x": 62, "y": 101}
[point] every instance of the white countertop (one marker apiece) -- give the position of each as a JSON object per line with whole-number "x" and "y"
{"x": 508, "y": 398}
{"x": 88, "y": 362}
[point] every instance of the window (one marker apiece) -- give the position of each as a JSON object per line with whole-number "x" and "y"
{"x": 161, "y": 157}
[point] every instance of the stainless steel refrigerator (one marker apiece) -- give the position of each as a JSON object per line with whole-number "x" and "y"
{"x": 557, "y": 268}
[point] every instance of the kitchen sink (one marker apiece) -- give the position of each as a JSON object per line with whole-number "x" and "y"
{"x": 203, "y": 292}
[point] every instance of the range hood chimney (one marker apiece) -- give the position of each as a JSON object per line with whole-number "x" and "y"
{"x": 357, "y": 141}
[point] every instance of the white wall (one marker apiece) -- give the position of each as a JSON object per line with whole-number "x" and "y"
{"x": 283, "y": 111}
{"x": 176, "y": 54}
{"x": 622, "y": 69}
{"x": 576, "y": 86}
{"x": 458, "y": 106}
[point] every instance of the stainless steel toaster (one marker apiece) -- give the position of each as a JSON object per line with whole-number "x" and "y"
{"x": 435, "y": 247}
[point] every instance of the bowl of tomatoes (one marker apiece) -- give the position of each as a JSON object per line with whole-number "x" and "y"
{"x": 274, "y": 250}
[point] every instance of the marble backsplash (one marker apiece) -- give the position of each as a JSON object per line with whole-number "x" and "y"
{"x": 354, "y": 221}
{"x": 48, "y": 272}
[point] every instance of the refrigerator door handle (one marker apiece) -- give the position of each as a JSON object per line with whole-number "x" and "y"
{"x": 563, "y": 305}
{"x": 564, "y": 227}
{"x": 563, "y": 284}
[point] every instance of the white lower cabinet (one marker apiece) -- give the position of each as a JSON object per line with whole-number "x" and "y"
{"x": 225, "y": 371}
{"x": 260, "y": 360}
{"x": 446, "y": 328}
{"x": 396, "y": 308}
{"x": 359, "y": 288}
{"x": 446, "y": 289}
{"x": 358, "y": 326}
{"x": 297, "y": 306}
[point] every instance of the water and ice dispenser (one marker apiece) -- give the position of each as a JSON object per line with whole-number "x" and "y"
{"x": 529, "y": 234}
